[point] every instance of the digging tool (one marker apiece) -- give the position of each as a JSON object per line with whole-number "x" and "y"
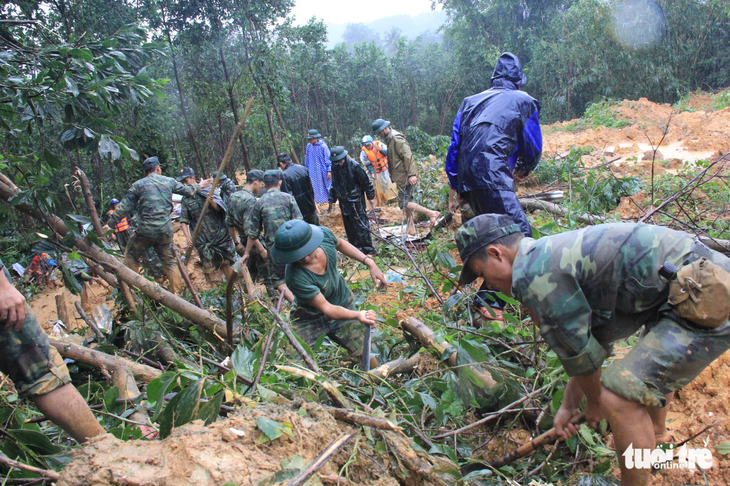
{"x": 547, "y": 438}
{"x": 366, "y": 348}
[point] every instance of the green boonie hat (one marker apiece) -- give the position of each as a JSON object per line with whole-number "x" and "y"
{"x": 477, "y": 233}
{"x": 294, "y": 240}
{"x": 378, "y": 125}
{"x": 272, "y": 175}
{"x": 254, "y": 175}
{"x": 313, "y": 134}
{"x": 186, "y": 172}
{"x": 150, "y": 163}
{"x": 222, "y": 178}
{"x": 338, "y": 153}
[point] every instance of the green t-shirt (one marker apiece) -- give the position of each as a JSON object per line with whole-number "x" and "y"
{"x": 305, "y": 284}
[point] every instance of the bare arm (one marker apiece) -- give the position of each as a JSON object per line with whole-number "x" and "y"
{"x": 186, "y": 232}
{"x": 588, "y": 386}
{"x": 12, "y": 304}
{"x": 347, "y": 249}
{"x": 338, "y": 313}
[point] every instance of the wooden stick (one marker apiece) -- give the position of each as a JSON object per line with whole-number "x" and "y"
{"x": 400, "y": 365}
{"x": 225, "y": 369}
{"x": 362, "y": 419}
{"x": 128, "y": 296}
{"x": 86, "y": 189}
{"x": 544, "y": 439}
{"x": 335, "y": 395}
{"x": 264, "y": 358}
{"x": 226, "y": 157}
{"x": 292, "y": 339}
{"x": 145, "y": 360}
{"x": 45, "y": 473}
{"x": 124, "y": 381}
{"x": 88, "y": 320}
{"x": 186, "y": 276}
{"x": 100, "y": 360}
{"x": 247, "y": 280}
{"x": 321, "y": 460}
{"x": 552, "y": 208}
{"x": 62, "y": 310}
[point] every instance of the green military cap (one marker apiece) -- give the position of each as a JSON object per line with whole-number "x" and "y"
{"x": 186, "y": 172}
{"x": 313, "y": 134}
{"x": 378, "y": 125}
{"x": 150, "y": 163}
{"x": 338, "y": 153}
{"x": 254, "y": 176}
{"x": 294, "y": 240}
{"x": 272, "y": 175}
{"x": 222, "y": 177}
{"x": 477, "y": 233}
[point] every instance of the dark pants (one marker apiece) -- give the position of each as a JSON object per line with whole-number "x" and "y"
{"x": 312, "y": 218}
{"x": 496, "y": 202}
{"x": 357, "y": 226}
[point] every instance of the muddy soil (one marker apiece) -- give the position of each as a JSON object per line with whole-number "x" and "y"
{"x": 234, "y": 451}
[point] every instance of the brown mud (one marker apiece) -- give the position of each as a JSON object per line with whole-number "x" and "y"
{"x": 234, "y": 451}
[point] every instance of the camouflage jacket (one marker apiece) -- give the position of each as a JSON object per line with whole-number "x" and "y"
{"x": 151, "y": 199}
{"x": 213, "y": 236}
{"x": 240, "y": 208}
{"x": 227, "y": 188}
{"x": 400, "y": 159}
{"x": 271, "y": 211}
{"x": 591, "y": 287}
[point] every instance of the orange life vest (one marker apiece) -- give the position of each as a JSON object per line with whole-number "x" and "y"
{"x": 378, "y": 159}
{"x": 123, "y": 225}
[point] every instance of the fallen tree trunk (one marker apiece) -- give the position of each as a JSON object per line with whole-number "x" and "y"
{"x": 89, "y": 198}
{"x": 446, "y": 351}
{"x": 150, "y": 289}
{"x": 552, "y": 208}
{"x": 97, "y": 359}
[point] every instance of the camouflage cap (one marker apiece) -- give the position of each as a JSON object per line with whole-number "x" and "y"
{"x": 150, "y": 163}
{"x": 186, "y": 172}
{"x": 477, "y": 233}
{"x": 271, "y": 176}
{"x": 254, "y": 176}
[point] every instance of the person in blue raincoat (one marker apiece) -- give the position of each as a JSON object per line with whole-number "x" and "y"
{"x": 496, "y": 139}
{"x": 317, "y": 161}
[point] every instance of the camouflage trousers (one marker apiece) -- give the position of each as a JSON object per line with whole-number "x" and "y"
{"x": 311, "y": 325}
{"x": 670, "y": 354}
{"x": 138, "y": 246}
{"x": 29, "y": 360}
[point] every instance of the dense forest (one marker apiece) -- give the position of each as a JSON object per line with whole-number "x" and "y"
{"x": 101, "y": 83}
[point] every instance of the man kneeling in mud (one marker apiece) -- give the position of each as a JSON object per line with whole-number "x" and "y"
{"x": 589, "y": 288}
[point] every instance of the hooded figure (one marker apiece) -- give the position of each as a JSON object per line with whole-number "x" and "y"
{"x": 496, "y": 137}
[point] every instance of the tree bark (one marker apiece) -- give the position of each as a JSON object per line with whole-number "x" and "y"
{"x": 193, "y": 141}
{"x": 97, "y": 359}
{"x": 281, "y": 122}
{"x": 234, "y": 109}
{"x": 89, "y": 202}
{"x": 62, "y": 310}
{"x": 150, "y": 289}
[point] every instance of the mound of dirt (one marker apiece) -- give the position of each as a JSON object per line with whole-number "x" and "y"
{"x": 232, "y": 451}
{"x": 704, "y": 402}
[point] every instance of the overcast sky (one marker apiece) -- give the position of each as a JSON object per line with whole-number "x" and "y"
{"x": 343, "y": 12}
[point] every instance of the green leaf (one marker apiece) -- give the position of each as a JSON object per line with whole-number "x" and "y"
{"x": 182, "y": 409}
{"x": 272, "y": 429}
{"x": 35, "y": 441}
{"x": 71, "y": 85}
{"x": 723, "y": 448}
{"x": 84, "y": 54}
{"x": 210, "y": 410}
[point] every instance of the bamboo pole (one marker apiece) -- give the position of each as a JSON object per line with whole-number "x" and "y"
{"x": 221, "y": 168}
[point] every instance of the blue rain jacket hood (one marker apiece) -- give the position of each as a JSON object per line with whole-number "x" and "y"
{"x": 494, "y": 133}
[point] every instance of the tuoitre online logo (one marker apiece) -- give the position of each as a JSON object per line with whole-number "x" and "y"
{"x": 667, "y": 459}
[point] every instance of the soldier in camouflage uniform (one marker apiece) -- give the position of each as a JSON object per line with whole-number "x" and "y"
{"x": 271, "y": 211}
{"x": 589, "y": 288}
{"x": 151, "y": 199}
{"x": 37, "y": 370}
{"x": 240, "y": 209}
{"x": 214, "y": 243}
{"x": 226, "y": 185}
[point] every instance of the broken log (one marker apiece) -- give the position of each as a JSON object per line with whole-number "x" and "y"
{"x": 186, "y": 276}
{"x": 150, "y": 289}
{"x": 97, "y": 359}
{"x": 554, "y": 209}
{"x": 446, "y": 351}
{"x": 362, "y": 419}
{"x": 90, "y": 206}
{"x": 335, "y": 395}
{"x": 62, "y": 310}
{"x": 88, "y": 320}
{"x": 124, "y": 381}
{"x": 397, "y": 366}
